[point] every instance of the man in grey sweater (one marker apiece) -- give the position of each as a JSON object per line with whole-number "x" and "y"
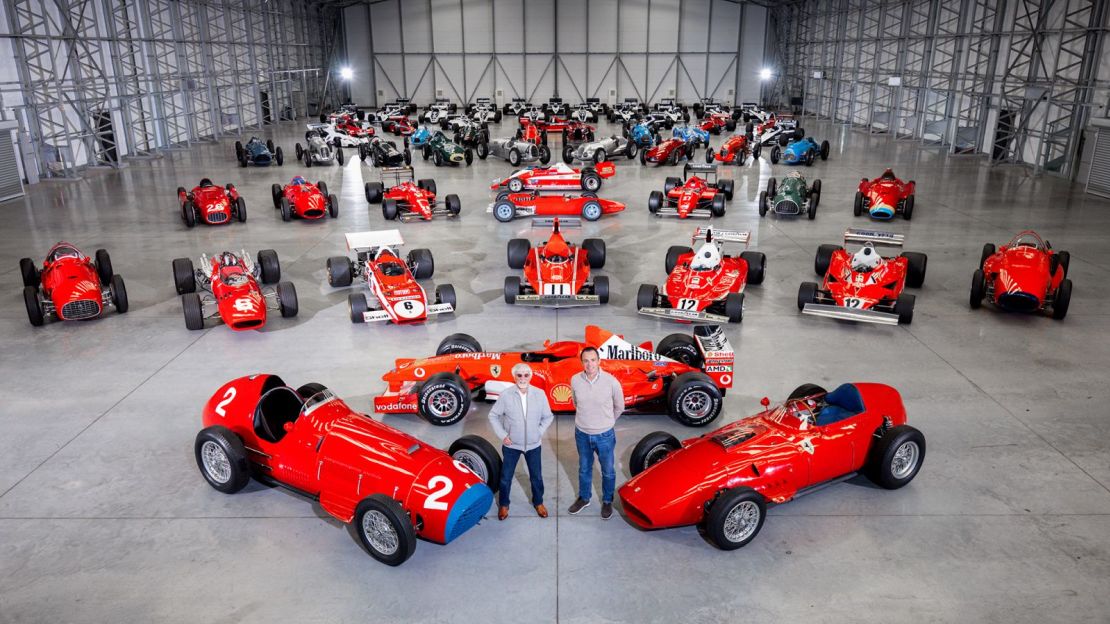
{"x": 598, "y": 403}
{"x": 519, "y": 418}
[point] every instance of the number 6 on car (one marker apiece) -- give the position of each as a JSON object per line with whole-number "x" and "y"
{"x": 389, "y": 486}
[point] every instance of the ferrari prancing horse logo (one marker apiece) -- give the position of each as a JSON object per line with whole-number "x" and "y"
{"x": 807, "y": 446}
{"x": 495, "y": 370}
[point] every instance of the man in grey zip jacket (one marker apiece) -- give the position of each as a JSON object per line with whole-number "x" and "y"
{"x": 520, "y": 417}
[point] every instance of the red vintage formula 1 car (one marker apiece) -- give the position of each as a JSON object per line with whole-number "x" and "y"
{"x": 667, "y": 152}
{"x": 702, "y": 194}
{"x": 724, "y": 481}
{"x": 399, "y": 125}
{"x": 392, "y": 281}
{"x": 303, "y": 200}
{"x": 211, "y": 204}
{"x": 70, "y": 286}
{"x": 233, "y": 289}
{"x": 734, "y": 151}
{"x": 407, "y": 200}
{"x": 885, "y": 196}
{"x": 349, "y": 126}
{"x": 714, "y": 123}
{"x": 390, "y": 487}
{"x": 863, "y": 285}
{"x": 589, "y": 206}
{"x": 685, "y": 375}
{"x": 706, "y": 286}
{"x": 558, "y": 177}
{"x": 1024, "y": 275}
{"x": 556, "y": 273}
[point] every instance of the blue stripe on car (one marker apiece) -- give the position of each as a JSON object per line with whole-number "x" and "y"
{"x": 467, "y": 511}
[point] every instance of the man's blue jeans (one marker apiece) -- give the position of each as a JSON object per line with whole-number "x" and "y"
{"x": 603, "y": 444}
{"x": 508, "y": 467}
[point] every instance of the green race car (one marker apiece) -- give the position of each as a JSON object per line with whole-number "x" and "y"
{"x": 792, "y": 197}
{"x": 442, "y": 151}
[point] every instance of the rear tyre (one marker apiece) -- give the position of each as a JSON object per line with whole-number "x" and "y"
{"x": 1062, "y": 301}
{"x": 896, "y": 457}
{"x": 735, "y": 518}
{"x": 674, "y": 252}
{"x": 222, "y": 459}
{"x": 340, "y": 269}
{"x": 118, "y": 291}
{"x": 988, "y": 251}
{"x": 421, "y": 263}
{"x": 271, "y": 268}
{"x": 458, "y": 343}
{"x": 978, "y": 289}
{"x": 194, "y": 314}
{"x": 184, "y": 277}
{"x": 480, "y": 457}
{"x": 682, "y": 348}
{"x": 824, "y": 258}
{"x": 103, "y": 266}
{"x": 384, "y": 529}
{"x": 287, "y": 299}
{"x": 595, "y": 252}
{"x": 693, "y": 399}
{"x": 651, "y": 449}
{"x": 444, "y": 399}
{"x": 757, "y": 266}
{"x": 30, "y": 272}
{"x": 34, "y": 308}
{"x": 915, "y": 268}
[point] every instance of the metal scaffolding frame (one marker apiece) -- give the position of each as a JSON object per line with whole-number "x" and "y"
{"x": 1013, "y": 79}
{"x": 103, "y": 80}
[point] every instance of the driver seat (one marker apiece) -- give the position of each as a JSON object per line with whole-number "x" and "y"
{"x": 276, "y": 407}
{"x": 844, "y": 402}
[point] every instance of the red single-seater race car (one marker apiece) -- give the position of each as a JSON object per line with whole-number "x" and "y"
{"x": 409, "y": 200}
{"x": 303, "y": 200}
{"x": 716, "y": 122}
{"x": 706, "y": 286}
{"x": 391, "y": 280}
{"x": 232, "y": 289}
{"x": 589, "y": 206}
{"x": 390, "y": 487}
{"x": 734, "y": 151}
{"x": 702, "y": 194}
{"x": 399, "y": 125}
{"x": 725, "y": 481}
{"x": 667, "y": 152}
{"x": 885, "y": 196}
{"x": 556, "y": 273}
{"x": 863, "y": 285}
{"x": 211, "y": 204}
{"x": 70, "y": 286}
{"x": 1024, "y": 275}
{"x": 685, "y": 375}
{"x": 558, "y": 177}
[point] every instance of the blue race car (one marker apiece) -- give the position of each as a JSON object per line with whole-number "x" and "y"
{"x": 257, "y": 153}
{"x": 803, "y": 151}
{"x": 693, "y": 135}
{"x": 420, "y": 136}
{"x": 643, "y": 134}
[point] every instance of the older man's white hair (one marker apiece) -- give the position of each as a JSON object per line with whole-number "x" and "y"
{"x": 521, "y": 368}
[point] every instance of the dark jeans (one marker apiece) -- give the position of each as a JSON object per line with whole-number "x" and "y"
{"x": 603, "y": 444}
{"x": 508, "y": 467}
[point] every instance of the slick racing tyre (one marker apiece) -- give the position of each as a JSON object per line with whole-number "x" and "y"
{"x": 340, "y": 270}
{"x": 693, "y": 399}
{"x": 444, "y": 399}
{"x": 458, "y": 343}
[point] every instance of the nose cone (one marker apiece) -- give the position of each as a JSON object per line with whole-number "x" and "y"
{"x": 468, "y": 511}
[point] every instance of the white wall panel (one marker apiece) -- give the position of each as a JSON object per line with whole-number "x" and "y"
{"x": 663, "y": 33}
{"x": 572, "y": 37}
{"x": 695, "y": 26}
{"x": 480, "y": 74}
{"x": 633, "y": 25}
{"x": 690, "y": 87}
{"x": 572, "y": 78}
{"x": 508, "y": 17}
{"x": 417, "y": 26}
{"x": 661, "y": 77}
{"x": 539, "y": 26}
{"x": 726, "y": 21}
{"x": 383, "y": 24}
{"x": 357, "y": 33}
{"x": 540, "y": 77}
{"x": 446, "y": 18}
{"x": 388, "y": 72}
{"x": 751, "y": 53}
{"x": 477, "y": 17}
{"x": 602, "y": 21}
{"x": 449, "y": 73}
{"x": 420, "y": 81}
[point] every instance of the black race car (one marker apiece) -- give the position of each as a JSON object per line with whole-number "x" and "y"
{"x": 386, "y": 154}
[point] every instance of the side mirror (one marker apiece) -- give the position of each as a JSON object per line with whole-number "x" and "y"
{"x": 765, "y": 401}
{"x": 288, "y": 427}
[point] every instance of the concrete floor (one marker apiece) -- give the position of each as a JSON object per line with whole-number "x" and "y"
{"x": 104, "y": 516}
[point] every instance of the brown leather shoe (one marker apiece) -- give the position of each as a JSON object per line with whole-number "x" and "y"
{"x": 502, "y": 513}
{"x": 541, "y": 511}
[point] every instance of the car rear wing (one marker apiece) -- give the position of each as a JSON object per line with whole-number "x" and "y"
{"x": 875, "y": 237}
{"x": 699, "y": 168}
{"x": 564, "y": 222}
{"x": 397, "y": 175}
{"x": 709, "y": 234}
{"x": 317, "y": 126}
{"x": 365, "y": 241}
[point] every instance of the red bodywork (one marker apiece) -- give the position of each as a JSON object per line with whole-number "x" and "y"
{"x": 864, "y": 290}
{"x": 733, "y": 150}
{"x": 69, "y": 278}
{"x": 694, "y": 193}
{"x": 716, "y": 122}
{"x": 642, "y": 373}
{"x": 769, "y": 124}
{"x": 559, "y": 177}
{"x": 554, "y": 124}
{"x": 778, "y": 453}
{"x": 532, "y": 133}
{"x": 399, "y": 125}
{"x": 886, "y": 190}
{"x": 1021, "y": 275}
{"x": 391, "y": 281}
{"x": 306, "y": 200}
{"x": 417, "y": 200}
{"x": 340, "y": 457}
{"x": 213, "y": 203}
{"x": 238, "y": 295}
{"x": 353, "y": 128}
{"x": 664, "y": 151}
{"x": 557, "y": 267}
{"x": 535, "y": 205}
{"x": 694, "y": 291}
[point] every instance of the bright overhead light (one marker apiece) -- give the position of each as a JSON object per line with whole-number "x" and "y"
{"x": 346, "y": 73}
{"x": 765, "y": 74}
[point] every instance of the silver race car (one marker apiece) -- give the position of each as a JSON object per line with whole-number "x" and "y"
{"x": 600, "y": 150}
{"x": 518, "y": 151}
{"x": 318, "y": 152}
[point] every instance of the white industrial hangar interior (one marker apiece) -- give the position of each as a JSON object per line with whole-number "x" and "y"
{"x": 140, "y": 475}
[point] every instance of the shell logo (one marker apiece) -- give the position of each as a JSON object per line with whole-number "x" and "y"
{"x": 562, "y": 393}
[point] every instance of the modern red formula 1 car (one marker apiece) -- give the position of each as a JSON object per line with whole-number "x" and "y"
{"x": 392, "y": 281}
{"x": 399, "y": 125}
{"x": 303, "y": 200}
{"x": 407, "y": 200}
{"x": 706, "y": 286}
{"x": 211, "y": 204}
{"x": 233, "y": 289}
{"x": 725, "y": 481}
{"x": 390, "y": 487}
{"x": 702, "y": 194}
{"x": 685, "y": 375}
{"x": 70, "y": 286}
{"x": 885, "y": 196}
{"x": 589, "y": 206}
{"x": 863, "y": 285}
{"x": 558, "y": 177}
{"x": 1024, "y": 275}
{"x": 734, "y": 151}
{"x": 556, "y": 273}
{"x": 667, "y": 152}
{"x": 716, "y": 122}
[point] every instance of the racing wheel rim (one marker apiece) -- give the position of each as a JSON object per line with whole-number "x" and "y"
{"x": 471, "y": 460}
{"x": 505, "y": 212}
{"x": 215, "y": 461}
{"x": 592, "y": 211}
{"x": 696, "y": 404}
{"x": 442, "y": 403}
{"x": 905, "y": 460}
{"x": 741, "y": 521}
{"x": 380, "y": 533}
{"x": 656, "y": 454}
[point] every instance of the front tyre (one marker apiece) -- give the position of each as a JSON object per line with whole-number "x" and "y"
{"x": 444, "y": 399}
{"x": 222, "y": 459}
{"x": 480, "y": 457}
{"x": 384, "y": 529}
{"x": 735, "y": 518}
{"x": 896, "y": 457}
{"x": 651, "y": 449}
